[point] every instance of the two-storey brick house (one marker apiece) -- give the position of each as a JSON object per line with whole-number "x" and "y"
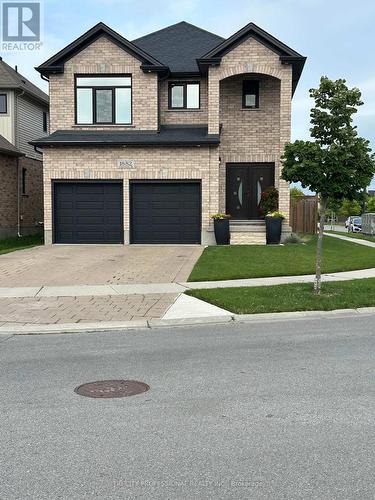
{"x": 23, "y": 117}
{"x": 151, "y": 137}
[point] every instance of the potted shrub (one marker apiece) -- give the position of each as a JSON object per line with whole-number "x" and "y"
{"x": 221, "y": 228}
{"x": 269, "y": 201}
{"x": 274, "y": 222}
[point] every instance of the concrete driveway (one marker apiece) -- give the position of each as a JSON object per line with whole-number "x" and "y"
{"x": 96, "y": 265}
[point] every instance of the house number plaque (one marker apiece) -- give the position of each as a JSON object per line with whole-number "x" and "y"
{"x": 126, "y": 164}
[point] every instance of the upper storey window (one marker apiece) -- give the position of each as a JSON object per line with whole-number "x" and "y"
{"x": 184, "y": 95}
{"x": 45, "y": 122}
{"x": 3, "y": 104}
{"x": 103, "y": 100}
{"x": 250, "y": 94}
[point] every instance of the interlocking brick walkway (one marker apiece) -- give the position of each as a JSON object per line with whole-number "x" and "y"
{"x": 47, "y": 310}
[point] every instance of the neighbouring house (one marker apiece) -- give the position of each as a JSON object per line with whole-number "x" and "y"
{"x": 150, "y": 137}
{"x": 23, "y": 117}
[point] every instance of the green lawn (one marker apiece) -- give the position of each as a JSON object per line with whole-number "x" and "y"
{"x": 357, "y": 236}
{"x": 293, "y": 297}
{"x": 258, "y": 261}
{"x": 12, "y": 244}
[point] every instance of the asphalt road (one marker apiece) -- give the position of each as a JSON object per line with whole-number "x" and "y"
{"x": 271, "y": 410}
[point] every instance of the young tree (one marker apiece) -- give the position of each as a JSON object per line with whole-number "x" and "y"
{"x": 295, "y": 194}
{"x": 370, "y": 205}
{"x": 336, "y": 164}
{"x": 350, "y": 207}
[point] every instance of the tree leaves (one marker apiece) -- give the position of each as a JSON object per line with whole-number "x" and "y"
{"x": 337, "y": 164}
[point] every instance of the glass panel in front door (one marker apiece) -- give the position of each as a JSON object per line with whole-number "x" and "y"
{"x": 238, "y": 193}
{"x": 262, "y": 180}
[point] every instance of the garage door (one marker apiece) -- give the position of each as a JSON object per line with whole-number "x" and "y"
{"x": 88, "y": 212}
{"x": 165, "y": 212}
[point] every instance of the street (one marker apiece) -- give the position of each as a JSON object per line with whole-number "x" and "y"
{"x": 237, "y": 411}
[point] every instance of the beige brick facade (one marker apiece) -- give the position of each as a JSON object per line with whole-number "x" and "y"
{"x": 151, "y": 163}
{"x": 28, "y": 206}
{"x": 103, "y": 56}
{"x": 180, "y": 117}
{"x": 251, "y": 135}
{"x": 246, "y": 135}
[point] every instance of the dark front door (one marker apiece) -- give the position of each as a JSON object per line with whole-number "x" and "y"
{"x": 165, "y": 212}
{"x": 245, "y": 183}
{"x": 88, "y": 212}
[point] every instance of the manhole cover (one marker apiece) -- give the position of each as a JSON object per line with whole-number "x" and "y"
{"x": 111, "y": 388}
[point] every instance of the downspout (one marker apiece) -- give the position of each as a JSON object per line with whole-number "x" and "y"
{"x": 18, "y": 199}
{"x": 16, "y": 141}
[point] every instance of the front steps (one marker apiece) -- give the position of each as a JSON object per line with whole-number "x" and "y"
{"x": 247, "y": 232}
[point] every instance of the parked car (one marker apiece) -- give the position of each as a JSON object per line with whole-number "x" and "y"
{"x": 349, "y": 221}
{"x": 355, "y": 225}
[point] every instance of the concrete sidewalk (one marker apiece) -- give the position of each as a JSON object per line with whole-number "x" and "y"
{"x": 365, "y": 243}
{"x": 83, "y": 308}
{"x": 171, "y": 288}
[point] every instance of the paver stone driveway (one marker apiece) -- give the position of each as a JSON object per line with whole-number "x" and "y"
{"x": 97, "y": 265}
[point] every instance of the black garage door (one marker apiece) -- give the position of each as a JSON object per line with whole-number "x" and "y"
{"x": 88, "y": 212}
{"x": 165, "y": 212}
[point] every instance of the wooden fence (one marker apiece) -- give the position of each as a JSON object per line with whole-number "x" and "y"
{"x": 304, "y": 214}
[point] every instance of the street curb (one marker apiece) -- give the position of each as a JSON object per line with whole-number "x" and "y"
{"x": 44, "y": 329}
{"x": 162, "y": 323}
{"x": 70, "y": 328}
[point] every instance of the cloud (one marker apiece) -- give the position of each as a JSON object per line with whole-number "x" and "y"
{"x": 367, "y": 85}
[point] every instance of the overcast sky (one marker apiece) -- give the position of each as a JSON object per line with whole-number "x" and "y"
{"x": 337, "y": 36}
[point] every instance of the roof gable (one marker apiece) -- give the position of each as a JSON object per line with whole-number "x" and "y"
{"x": 11, "y": 79}
{"x": 8, "y": 148}
{"x": 56, "y": 63}
{"x": 251, "y": 30}
{"x": 179, "y": 46}
{"x": 287, "y": 55}
{"x": 182, "y": 49}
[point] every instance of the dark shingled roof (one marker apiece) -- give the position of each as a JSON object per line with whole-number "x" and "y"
{"x": 8, "y": 148}
{"x": 11, "y": 79}
{"x": 168, "y": 135}
{"x": 55, "y": 64}
{"x": 178, "y": 46}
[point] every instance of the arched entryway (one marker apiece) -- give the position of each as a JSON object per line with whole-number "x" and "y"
{"x": 249, "y": 141}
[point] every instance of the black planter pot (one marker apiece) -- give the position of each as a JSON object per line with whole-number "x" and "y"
{"x": 222, "y": 233}
{"x": 273, "y": 230}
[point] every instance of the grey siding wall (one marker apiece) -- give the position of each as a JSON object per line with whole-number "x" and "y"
{"x": 29, "y": 125}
